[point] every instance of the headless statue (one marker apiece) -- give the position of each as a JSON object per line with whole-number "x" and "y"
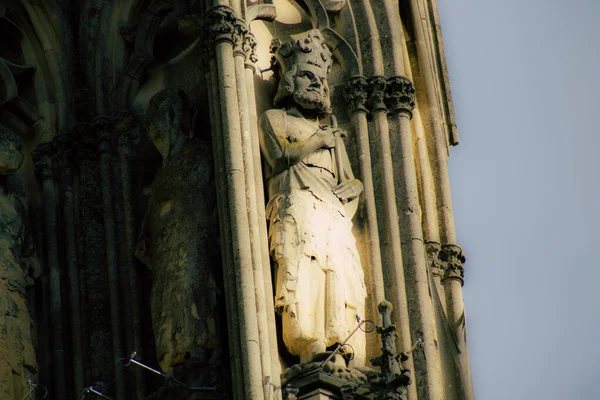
{"x": 178, "y": 243}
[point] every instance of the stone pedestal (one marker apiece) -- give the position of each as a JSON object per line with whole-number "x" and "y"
{"x": 327, "y": 382}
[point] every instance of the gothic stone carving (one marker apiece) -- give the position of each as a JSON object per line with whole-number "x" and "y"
{"x": 312, "y": 198}
{"x": 18, "y": 265}
{"x": 433, "y": 258}
{"x": 453, "y": 259}
{"x": 178, "y": 242}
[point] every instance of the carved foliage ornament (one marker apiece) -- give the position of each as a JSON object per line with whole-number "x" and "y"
{"x": 453, "y": 258}
{"x": 394, "y": 94}
{"x": 42, "y": 158}
{"x": 433, "y": 258}
{"x": 400, "y": 93}
{"x": 377, "y": 93}
{"x": 220, "y": 25}
{"x": 356, "y": 94}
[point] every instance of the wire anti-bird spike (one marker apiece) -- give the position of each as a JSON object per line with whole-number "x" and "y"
{"x": 32, "y": 386}
{"x": 125, "y": 362}
{"x": 361, "y": 322}
{"x": 91, "y": 389}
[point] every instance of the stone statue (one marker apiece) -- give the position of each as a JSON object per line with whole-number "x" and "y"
{"x": 178, "y": 243}
{"x": 312, "y": 198}
{"x": 18, "y": 266}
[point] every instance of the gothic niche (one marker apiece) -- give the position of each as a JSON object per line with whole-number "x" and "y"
{"x": 179, "y": 242}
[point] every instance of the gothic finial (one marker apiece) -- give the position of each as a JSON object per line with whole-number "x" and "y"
{"x": 394, "y": 378}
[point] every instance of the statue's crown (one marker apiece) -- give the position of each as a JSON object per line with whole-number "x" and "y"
{"x": 310, "y": 49}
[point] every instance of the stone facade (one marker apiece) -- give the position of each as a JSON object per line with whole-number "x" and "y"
{"x": 143, "y": 145}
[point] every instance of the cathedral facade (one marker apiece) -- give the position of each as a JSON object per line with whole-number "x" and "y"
{"x": 228, "y": 199}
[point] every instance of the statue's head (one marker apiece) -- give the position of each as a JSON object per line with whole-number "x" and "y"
{"x": 11, "y": 151}
{"x": 168, "y": 119}
{"x": 304, "y": 65}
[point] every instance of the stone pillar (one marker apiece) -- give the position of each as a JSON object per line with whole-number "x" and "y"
{"x": 401, "y": 97}
{"x": 249, "y": 45}
{"x": 43, "y": 157}
{"x": 65, "y": 163}
{"x": 453, "y": 259}
{"x": 239, "y": 56}
{"x": 233, "y": 330}
{"x": 105, "y": 136}
{"x": 356, "y": 98}
{"x": 394, "y": 276}
{"x": 97, "y": 328}
{"x": 221, "y": 31}
{"x": 125, "y": 130}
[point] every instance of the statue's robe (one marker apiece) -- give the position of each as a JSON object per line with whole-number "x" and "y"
{"x": 319, "y": 279}
{"x": 18, "y": 265}
{"x": 179, "y": 244}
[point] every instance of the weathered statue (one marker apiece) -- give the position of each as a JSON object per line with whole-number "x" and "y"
{"x": 18, "y": 265}
{"x": 312, "y": 198}
{"x": 178, "y": 243}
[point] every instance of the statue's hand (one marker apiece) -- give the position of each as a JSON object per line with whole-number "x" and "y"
{"x": 286, "y": 304}
{"x": 348, "y": 190}
{"x": 328, "y": 135}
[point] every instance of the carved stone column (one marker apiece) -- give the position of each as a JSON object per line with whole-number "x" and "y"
{"x": 239, "y": 55}
{"x": 125, "y": 129}
{"x": 43, "y": 158}
{"x": 65, "y": 166}
{"x": 401, "y": 99}
{"x": 356, "y": 98}
{"x": 395, "y": 286}
{"x": 97, "y": 329}
{"x": 221, "y": 33}
{"x": 103, "y": 128}
{"x": 453, "y": 260}
{"x": 232, "y": 311}
{"x": 249, "y": 45}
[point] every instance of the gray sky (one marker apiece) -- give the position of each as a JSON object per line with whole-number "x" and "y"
{"x": 525, "y": 182}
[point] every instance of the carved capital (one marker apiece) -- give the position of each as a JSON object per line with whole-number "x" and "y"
{"x": 103, "y": 127}
{"x": 453, "y": 258}
{"x": 43, "y": 156}
{"x": 356, "y": 94}
{"x": 239, "y": 37}
{"x": 221, "y": 25}
{"x": 377, "y": 86}
{"x": 249, "y": 47}
{"x": 85, "y": 143}
{"x": 64, "y": 160}
{"x": 400, "y": 95}
{"x": 433, "y": 258}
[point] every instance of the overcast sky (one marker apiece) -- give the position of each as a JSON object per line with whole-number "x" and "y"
{"x": 525, "y": 77}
